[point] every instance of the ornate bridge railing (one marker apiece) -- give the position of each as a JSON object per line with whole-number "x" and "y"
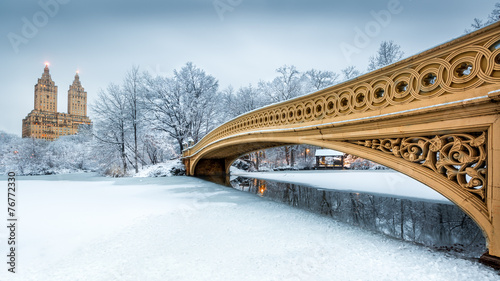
{"x": 434, "y": 116}
{"x": 457, "y": 66}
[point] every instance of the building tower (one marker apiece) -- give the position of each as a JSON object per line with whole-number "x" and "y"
{"x": 77, "y": 98}
{"x": 44, "y": 122}
{"x": 46, "y": 93}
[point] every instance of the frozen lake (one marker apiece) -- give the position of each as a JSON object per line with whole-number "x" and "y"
{"x": 84, "y": 227}
{"x": 383, "y": 182}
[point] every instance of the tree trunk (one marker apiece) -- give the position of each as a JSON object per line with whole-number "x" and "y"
{"x": 257, "y": 161}
{"x": 136, "y": 151}
{"x": 287, "y": 155}
{"x": 124, "y": 155}
{"x": 181, "y": 148}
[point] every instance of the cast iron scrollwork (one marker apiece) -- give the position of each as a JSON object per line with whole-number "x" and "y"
{"x": 459, "y": 157}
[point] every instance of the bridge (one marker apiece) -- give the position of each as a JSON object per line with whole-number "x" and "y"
{"x": 434, "y": 116}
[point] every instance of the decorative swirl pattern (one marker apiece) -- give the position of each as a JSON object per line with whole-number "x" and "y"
{"x": 459, "y": 157}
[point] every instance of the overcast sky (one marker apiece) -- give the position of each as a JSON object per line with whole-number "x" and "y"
{"x": 237, "y": 41}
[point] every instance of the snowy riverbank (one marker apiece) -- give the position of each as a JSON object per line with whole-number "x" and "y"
{"x": 386, "y": 182}
{"x": 84, "y": 227}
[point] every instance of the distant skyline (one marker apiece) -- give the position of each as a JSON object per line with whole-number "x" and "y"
{"x": 237, "y": 41}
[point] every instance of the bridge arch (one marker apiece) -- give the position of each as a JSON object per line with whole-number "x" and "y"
{"x": 469, "y": 203}
{"x": 434, "y": 117}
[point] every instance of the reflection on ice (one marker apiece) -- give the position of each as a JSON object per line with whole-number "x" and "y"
{"x": 435, "y": 224}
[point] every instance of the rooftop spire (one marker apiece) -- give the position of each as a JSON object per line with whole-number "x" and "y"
{"x": 46, "y": 74}
{"x": 76, "y": 82}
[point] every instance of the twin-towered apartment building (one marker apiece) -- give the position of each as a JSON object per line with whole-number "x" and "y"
{"x": 44, "y": 122}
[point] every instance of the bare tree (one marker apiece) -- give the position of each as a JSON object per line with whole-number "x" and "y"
{"x": 494, "y": 16}
{"x": 111, "y": 114}
{"x": 284, "y": 87}
{"x": 388, "y": 53}
{"x": 318, "y": 79}
{"x": 287, "y": 85}
{"x": 475, "y": 25}
{"x": 132, "y": 90}
{"x": 350, "y": 72}
{"x": 200, "y": 92}
{"x": 244, "y": 100}
{"x": 165, "y": 107}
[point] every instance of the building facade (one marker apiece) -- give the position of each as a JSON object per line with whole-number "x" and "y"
{"x": 44, "y": 122}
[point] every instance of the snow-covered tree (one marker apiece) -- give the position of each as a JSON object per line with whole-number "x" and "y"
{"x": 158, "y": 147}
{"x": 72, "y": 153}
{"x": 111, "y": 116}
{"x": 132, "y": 90}
{"x": 287, "y": 85}
{"x": 183, "y": 106}
{"x": 199, "y": 91}
{"x": 388, "y": 53}
{"x": 227, "y": 104}
{"x": 245, "y": 99}
{"x": 317, "y": 79}
{"x": 30, "y": 156}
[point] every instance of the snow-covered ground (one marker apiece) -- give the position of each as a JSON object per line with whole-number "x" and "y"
{"x": 387, "y": 182}
{"x": 162, "y": 170}
{"x": 84, "y": 227}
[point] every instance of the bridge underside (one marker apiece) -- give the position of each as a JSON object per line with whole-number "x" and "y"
{"x": 217, "y": 162}
{"x": 434, "y": 117}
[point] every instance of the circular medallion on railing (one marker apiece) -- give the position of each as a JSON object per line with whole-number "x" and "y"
{"x": 462, "y": 70}
{"x": 276, "y": 118}
{"x": 260, "y": 120}
{"x": 377, "y": 97}
{"x": 405, "y": 86}
{"x": 266, "y": 118}
{"x": 308, "y": 111}
{"x": 319, "y": 107}
{"x": 467, "y": 65}
{"x": 400, "y": 89}
{"x": 428, "y": 83}
{"x": 284, "y": 115}
{"x": 299, "y": 113}
{"x": 291, "y": 114}
{"x": 345, "y": 102}
{"x": 360, "y": 97}
{"x": 331, "y": 105}
{"x": 428, "y": 80}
